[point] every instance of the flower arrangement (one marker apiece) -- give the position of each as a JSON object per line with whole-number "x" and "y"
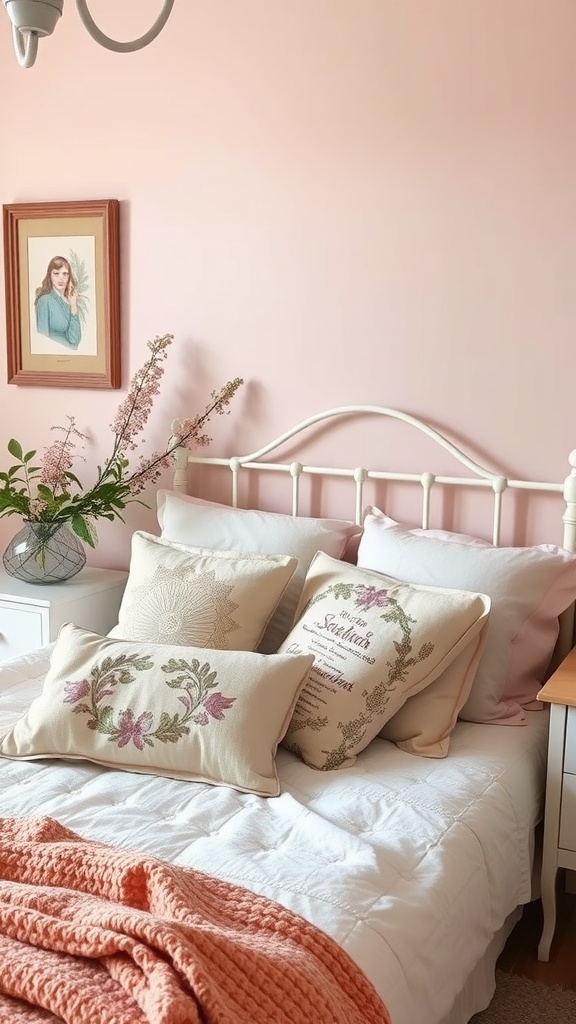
{"x": 52, "y": 493}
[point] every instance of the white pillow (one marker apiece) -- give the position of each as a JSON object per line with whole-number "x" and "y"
{"x": 190, "y": 520}
{"x": 529, "y": 588}
{"x": 450, "y": 535}
{"x": 376, "y": 642}
{"x": 182, "y": 712}
{"x": 184, "y": 595}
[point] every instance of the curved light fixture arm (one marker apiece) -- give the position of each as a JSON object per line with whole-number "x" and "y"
{"x": 25, "y": 46}
{"x": 131, "y": 45}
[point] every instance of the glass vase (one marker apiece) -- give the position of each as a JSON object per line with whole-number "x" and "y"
{"x": 44, "y": 553}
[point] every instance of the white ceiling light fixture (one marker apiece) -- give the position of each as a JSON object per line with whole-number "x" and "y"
{"x": 32, "y": 19}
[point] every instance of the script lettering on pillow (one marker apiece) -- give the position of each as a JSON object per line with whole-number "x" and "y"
{"x": 375, "y": 642}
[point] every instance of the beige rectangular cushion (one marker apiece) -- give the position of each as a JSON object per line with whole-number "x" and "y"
{"x": 188, "y": 713}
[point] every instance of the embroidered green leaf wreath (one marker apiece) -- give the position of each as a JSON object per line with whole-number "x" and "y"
{"x": 364, "y": 597}
{"x": 192, "y": 679}
{"x": 376, "y": 642}
{"x": 190, "y": 713}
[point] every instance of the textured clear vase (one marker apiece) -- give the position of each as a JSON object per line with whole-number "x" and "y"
{"x": 44, "y": 553}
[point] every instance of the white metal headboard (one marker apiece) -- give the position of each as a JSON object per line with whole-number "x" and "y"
{"x": 481, "y": 477}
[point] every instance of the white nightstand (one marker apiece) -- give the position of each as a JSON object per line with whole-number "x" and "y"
{"x": 31, "y": 614}
{"x": 560, "y": 813}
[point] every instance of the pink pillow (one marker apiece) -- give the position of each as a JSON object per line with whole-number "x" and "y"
{"x": 529, "y": 588}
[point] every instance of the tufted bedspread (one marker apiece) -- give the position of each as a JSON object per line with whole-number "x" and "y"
{"x": 93, "y": 931}
{"x": 409, "y": 863}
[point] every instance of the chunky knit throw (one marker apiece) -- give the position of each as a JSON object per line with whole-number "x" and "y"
{"x": 94, "y": 934}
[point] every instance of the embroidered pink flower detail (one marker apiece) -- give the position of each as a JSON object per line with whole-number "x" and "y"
{"x": 76, "y": 690}
{"x": 371, "y": 597}
{"x": 133, "y": 729}
{"x": 216, "y": 704}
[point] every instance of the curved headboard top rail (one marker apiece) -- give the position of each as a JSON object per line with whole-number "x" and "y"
{"x": 482, "y": 477}
{"x": 362, "y": 410}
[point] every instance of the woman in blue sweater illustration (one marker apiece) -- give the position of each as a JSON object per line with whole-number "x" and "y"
{"x": 57, "y": 304}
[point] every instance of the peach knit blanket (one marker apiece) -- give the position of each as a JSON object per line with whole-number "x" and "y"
{"x": 94, "y": 934}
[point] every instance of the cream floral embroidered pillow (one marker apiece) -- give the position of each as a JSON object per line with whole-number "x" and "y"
{"x": 197, "y": 596}
{"x": 376, "y": 642}
{"x": 187, "y": 713}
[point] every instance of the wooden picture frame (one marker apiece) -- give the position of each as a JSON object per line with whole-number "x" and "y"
{"x": 61, "y": 268}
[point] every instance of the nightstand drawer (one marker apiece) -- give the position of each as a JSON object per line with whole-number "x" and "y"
{"x": 567, "y": 839}
{"x": 32, "y": 614}
{"x": 21, "y": 629}
{"x": 570, "y": 743}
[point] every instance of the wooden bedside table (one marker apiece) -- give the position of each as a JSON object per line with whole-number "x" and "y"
{"x": 31, "y": 614}
{"x": 560, "y": 810}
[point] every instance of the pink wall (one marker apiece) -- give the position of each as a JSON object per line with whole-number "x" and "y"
{"x": 339, "y": 200}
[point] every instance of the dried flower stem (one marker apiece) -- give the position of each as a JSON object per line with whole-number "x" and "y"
{"x": 116, "y": 485}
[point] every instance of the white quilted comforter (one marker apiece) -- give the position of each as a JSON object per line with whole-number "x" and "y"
{"x": 411, "y": 864}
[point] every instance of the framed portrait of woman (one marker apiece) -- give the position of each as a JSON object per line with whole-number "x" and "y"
{"x": 61, "y": 265}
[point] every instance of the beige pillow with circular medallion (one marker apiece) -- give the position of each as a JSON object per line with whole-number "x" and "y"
{"x": 185, "y": 595}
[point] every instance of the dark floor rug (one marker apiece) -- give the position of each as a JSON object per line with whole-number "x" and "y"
{"x": 518, "y": 1000}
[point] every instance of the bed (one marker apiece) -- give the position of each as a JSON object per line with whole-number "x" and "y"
{"x": 403, "y": 828}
